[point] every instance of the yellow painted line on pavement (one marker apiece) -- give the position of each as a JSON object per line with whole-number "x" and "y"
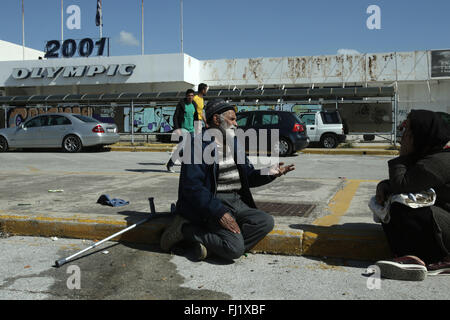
{"x": 33, "y": 169}
{"x": 339, "y": 204}
{"x": 327, "y": 239}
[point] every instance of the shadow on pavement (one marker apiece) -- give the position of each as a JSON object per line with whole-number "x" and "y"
{"x": 152, "y": 163}
{"x": 145, "y": 170}
{"x": 352, "y": 241}
{"x": 346, "y": 228}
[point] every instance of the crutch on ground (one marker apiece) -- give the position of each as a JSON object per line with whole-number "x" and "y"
{"x": 60, "y": 262}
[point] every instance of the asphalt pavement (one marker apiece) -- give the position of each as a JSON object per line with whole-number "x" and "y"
{"x": 141, "y": 272}
{"x": 337, "y": 186}
{"x": 322, "y": 255}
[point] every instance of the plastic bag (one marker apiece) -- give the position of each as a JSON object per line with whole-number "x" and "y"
{"x": 413, "y": 200}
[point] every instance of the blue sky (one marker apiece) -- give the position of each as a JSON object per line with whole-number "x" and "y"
{"x": 238, "y": 28}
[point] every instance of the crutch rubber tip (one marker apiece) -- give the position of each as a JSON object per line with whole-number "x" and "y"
{"x": 59, "y": 263}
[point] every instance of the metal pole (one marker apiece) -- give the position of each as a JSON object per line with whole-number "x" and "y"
{"x": 142, "y": 29}
{"x": 428, "y": 76}
{"x": 395, "y": 117}
{"x": 62, "y": 21}
{"x": 396, "y": 101}
{"x": 6, "y": 116}
{"x": 132, "y": 121}
{"x": 23, "y": 32}
{"x": 181, "y": 17}
{"x": 101, "y": 20}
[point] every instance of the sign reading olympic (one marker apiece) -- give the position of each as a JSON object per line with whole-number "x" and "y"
{"x": 73, "y": 71}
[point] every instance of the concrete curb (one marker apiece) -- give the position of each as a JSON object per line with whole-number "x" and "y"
{"x": 141, "y": 149}
{"x": 333, "y": 241}
{"x": 355, "y": 151}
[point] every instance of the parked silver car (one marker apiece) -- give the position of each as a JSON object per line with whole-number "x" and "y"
{"x": 69, "y": 131}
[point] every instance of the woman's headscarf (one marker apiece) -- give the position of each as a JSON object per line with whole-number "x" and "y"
{"x": 430, "y": 132}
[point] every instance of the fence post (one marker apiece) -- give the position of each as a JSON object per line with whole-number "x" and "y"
{"x": 132, "y": 122}
{"x": 395, "y": 116}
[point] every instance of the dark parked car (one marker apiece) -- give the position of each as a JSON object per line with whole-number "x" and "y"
{"x": 292, "y": 132}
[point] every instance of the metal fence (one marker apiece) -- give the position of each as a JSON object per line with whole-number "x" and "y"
{"x": 151, "y": 114}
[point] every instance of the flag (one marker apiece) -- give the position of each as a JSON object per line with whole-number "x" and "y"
{"x": 98, "y": 17}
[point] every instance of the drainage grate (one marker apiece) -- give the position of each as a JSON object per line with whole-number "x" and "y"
{"x": 286, "y": 209}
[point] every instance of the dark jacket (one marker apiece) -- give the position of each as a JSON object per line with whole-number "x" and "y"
{"x": 197, "y": 189}
{"x": 428, "y": 166}
{"x": 178, "y": 116}
{"x": 432, "y": 171}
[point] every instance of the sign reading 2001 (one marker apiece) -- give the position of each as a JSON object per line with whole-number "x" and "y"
{"x": 69, "y": 47}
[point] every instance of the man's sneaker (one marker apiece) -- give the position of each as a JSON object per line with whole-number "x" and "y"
{"x": 409, "y": 268}
{"x": 173, "y": 234}
{"x": 200, "y": 251}
{"x": 440, "y": 268}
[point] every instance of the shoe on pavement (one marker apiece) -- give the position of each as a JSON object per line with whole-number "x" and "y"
{"x": 409, "y": 268}
{"x": 440, "y": 268}
{"x": 201, "y": 253}
{"x": 173, "y": 234}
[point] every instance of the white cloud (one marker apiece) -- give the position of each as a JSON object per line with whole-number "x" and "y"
{"x": 128, "y": 39}
{"x": 348, "y": 51}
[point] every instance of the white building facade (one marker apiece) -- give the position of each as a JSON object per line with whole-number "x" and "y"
{"x": 420, "y": 80}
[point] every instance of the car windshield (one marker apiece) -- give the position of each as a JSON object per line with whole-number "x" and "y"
{"x": 85, "y": 119}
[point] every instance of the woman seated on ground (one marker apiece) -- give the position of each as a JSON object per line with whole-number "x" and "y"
{"x": 419, "y": 238}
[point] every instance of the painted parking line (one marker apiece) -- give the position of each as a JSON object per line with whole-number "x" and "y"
{"x": 340, "y": 203}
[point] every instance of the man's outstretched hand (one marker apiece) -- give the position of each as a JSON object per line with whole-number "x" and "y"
{"x": 279, "y": 170}
{"x": 227, "y": 221}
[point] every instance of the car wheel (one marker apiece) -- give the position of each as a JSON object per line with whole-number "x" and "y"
{"x": 283, "y": 147}
{"x": 72, "y": 144}
{"x": 3, "y": 144}
{"x": 329, "y": 141}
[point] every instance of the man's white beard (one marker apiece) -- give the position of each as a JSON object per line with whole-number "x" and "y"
{"x": 230, "y": 130}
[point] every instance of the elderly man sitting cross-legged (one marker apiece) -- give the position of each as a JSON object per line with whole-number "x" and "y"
{"x": 215, "y": 209}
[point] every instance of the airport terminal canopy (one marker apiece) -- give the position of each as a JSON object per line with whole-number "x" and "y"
{"x": 241, "y": 96}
